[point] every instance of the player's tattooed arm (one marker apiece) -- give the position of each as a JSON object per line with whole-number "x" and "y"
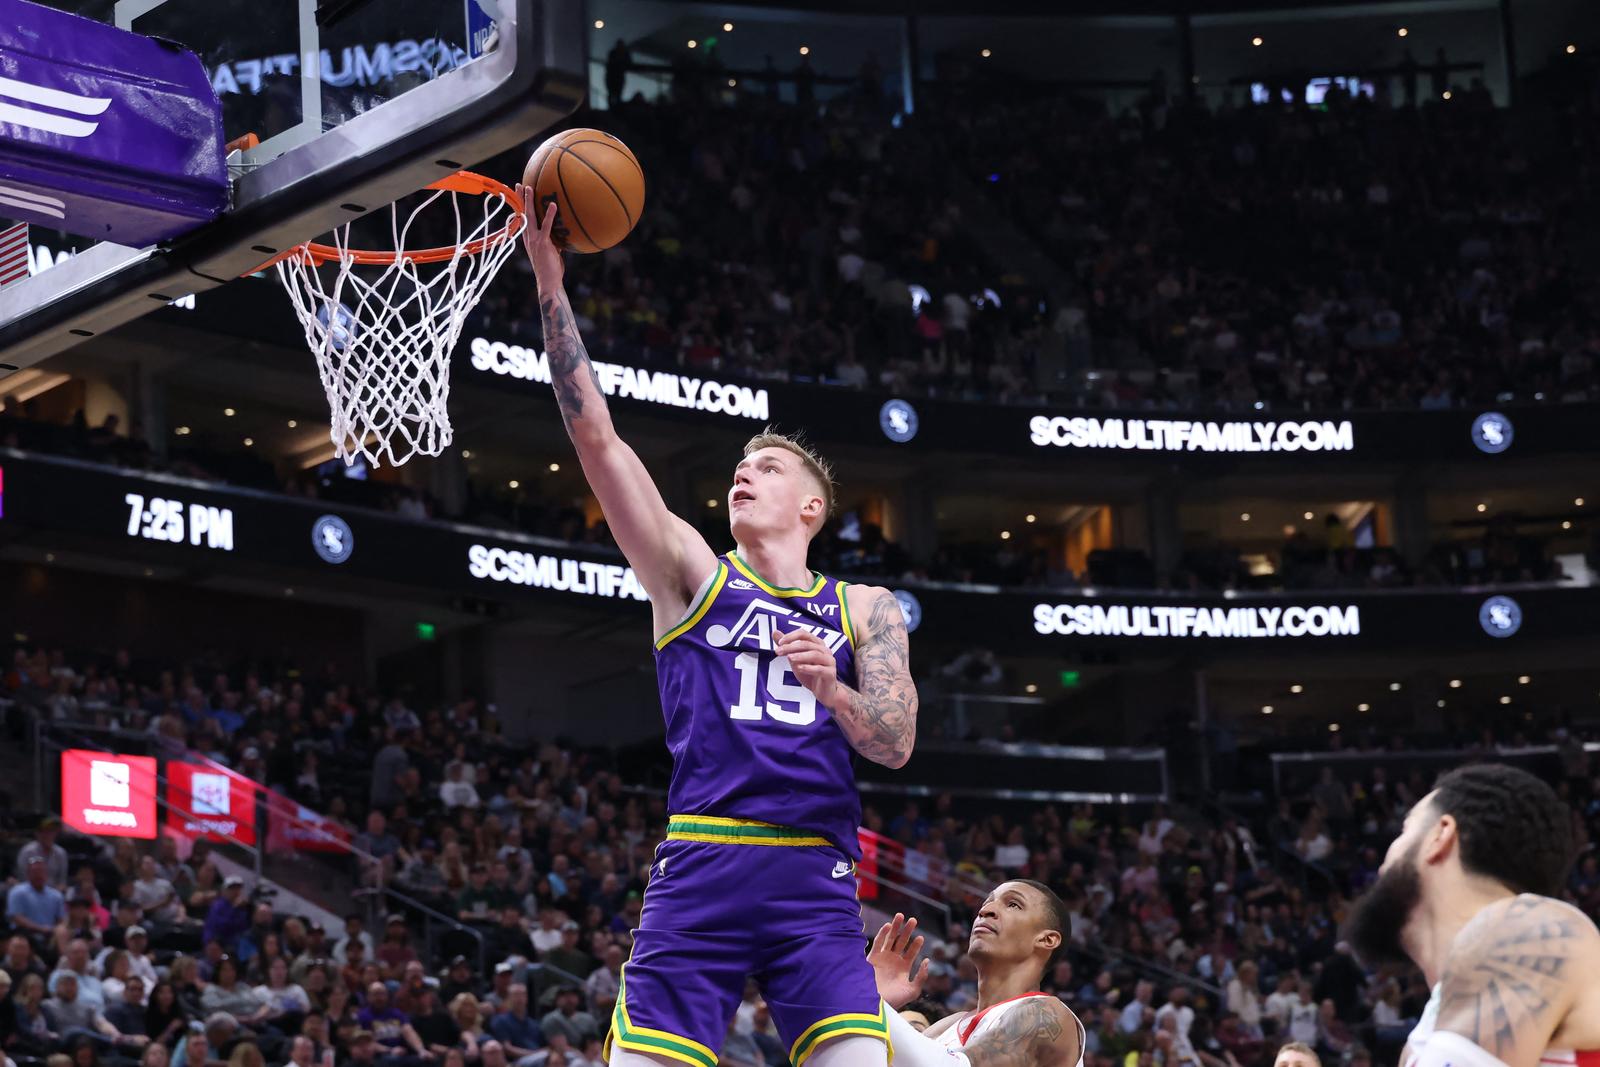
{"x": 577, "y": 386}
{"x": 1038, "y": 1032}
{"x": 1513, "y": 974}
{"x": 880, "y": 717}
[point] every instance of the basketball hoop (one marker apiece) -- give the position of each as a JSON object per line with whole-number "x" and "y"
{"x": 382, "y": 338}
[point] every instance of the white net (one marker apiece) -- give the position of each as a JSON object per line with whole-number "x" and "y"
{"x": 382, "y": 333}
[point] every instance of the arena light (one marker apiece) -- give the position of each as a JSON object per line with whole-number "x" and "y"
{"x": 1447, "y": 94}
{"x": 49, "y": 557}
{"x": 1571, "y": 48}
{"x": 986, "y": 53}
{"x": 1244, "y": 516}
{"x": 183, "y": 431}
{"x": 805, "y": 50}
{"x": 727, "y": 27}
{"x": 555, "y": 468}
{"x": 514, "y": 484}
{"x": 228, "y": 412}
{"x": 693, "y": 43}
{"x": 1482, "y": 508}
{"x": 293, "y": 423}
{"x": 249, "y": 441}
{"x": 1455, "y": 683}
{"x": 1566, "y": 524}
{"x": 1439, "y": 703}
{"x": 1577, "y": 502}
{"x": 733, "y": 83}
{"x": 1030, "y": 688}
{"x": 466, "y": 453}
{"x": 1309, "y": 516}
{"x": 1005, "y": 535}
{"x": 1363, "y": 707}
{"x": 599, "y": 24}
{"x": 1266, "y": 709}
{"x": 1257, "y": 42}
{"x": 1401, "y": 32}
{"x": 1297, "y": 688}
{"x": 1505, "y": 700}
{"x": 711, "y": 502}
{"x": 1394, "y": 687}
{"x": 1523, "y": 679}
{"x": 1030, "y": 518}
{"x": 1333, "y": 727}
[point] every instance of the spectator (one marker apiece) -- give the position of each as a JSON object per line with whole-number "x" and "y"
{"x": 227, "y": 994}
{"x": 229, "y": 915}
{"x": 44, "y": 846}
{"x": 517, "y": 1032}
{"x": 34, "y": 905}
{"x": 389, "y": 1026}
{"x": 566, "y": 1021}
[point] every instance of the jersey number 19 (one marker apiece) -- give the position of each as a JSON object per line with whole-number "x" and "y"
{"x": 780, "y": 684}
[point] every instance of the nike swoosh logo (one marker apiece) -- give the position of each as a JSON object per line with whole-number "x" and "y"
{"x": 841, "y": 869}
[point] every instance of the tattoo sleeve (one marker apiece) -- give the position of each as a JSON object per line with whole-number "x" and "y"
{"x": 577, "y": 387}
{"x": 1506, "y": 975}
{"x": 879, "y": 718}
{"x": 1030, "y": 1035}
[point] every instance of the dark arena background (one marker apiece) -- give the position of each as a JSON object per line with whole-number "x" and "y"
{"x": 1213, "y": 383}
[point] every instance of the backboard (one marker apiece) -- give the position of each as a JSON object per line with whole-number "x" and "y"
{"x": 335, "y": 108}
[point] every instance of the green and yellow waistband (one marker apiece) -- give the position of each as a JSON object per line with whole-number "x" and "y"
{"x": 718, "y": 830}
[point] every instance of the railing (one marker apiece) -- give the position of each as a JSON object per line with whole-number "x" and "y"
{"x": 430, "y": 918}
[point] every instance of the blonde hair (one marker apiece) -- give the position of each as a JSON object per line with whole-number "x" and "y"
{"x": 246, "y": 1054}
{"x": 1302, "y": 1048}
{"x": 810, "y": 459}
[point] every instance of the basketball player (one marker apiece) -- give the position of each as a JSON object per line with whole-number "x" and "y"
{"x": 1297, "y": 1054}
{"x": 1015, "y": 938}
{"x": 770, "y": 675}
{"x": 1466, "y": 893}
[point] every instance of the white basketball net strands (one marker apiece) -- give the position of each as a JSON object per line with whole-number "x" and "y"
{"x": 382, "y": 326}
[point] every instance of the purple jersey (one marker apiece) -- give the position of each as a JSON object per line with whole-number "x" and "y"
{"x": 748, "y": 741}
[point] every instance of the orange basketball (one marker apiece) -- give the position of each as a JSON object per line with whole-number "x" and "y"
{"x": 597, "y": 184}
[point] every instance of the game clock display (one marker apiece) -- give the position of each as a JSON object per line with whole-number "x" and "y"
{"x": 159, "y": 519}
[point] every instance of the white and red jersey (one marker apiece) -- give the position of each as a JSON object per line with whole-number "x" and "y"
{"x": 974, "y": 1024}
{"x": 1554, "y": 1057}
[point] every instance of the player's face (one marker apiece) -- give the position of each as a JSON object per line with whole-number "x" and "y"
{"x": 1010, "y": 924}
{"x": 771, "y": 491}
{"x": 1378, "y": 918}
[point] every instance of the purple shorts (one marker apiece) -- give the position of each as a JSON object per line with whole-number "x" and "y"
{"x": 715, "y": 913}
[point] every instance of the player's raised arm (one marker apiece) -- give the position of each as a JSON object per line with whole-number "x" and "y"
{"x": 879, "y": 717}
{"x": 669, "y": 556}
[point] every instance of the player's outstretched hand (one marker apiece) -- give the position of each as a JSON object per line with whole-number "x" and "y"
{"x": 811, "y": 661}
{"x": 540, "y": 239}
{"x": 893, "y": 953}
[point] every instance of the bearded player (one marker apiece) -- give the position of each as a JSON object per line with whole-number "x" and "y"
{"x": 1015, "y": 938}
{"x": 1466, "y": 893}
{"x": 770, "y": 677}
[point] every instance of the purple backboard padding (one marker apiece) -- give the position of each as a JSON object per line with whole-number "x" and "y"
{"x": 105, "y": 133}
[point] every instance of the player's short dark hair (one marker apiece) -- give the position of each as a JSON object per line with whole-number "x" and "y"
{"x": 1056, "y": 917}
{"x": 1513, "y": 827}
{"x": 931, "y": 1009}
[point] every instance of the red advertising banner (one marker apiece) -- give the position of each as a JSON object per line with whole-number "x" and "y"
{"x": 291, "y": 825}
{"x": 108, "y": 795}
{"x": 867, "y": 869}
{"x": 210, "y": 802}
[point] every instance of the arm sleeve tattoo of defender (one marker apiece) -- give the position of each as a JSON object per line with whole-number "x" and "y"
{"x": 573, "y": 376}
{"x": 880, "y": 716}
{"x": 1504, "y": 979}
{"x": 1030, "y": 1035}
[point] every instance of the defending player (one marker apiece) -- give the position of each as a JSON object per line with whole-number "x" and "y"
{"x": 1466, "y": 893}
{"x": 1014, "y": 941}
{"x": 769, "y": 675}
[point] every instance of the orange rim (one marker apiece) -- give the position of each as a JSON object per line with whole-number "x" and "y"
{"x": 462, "y": 181}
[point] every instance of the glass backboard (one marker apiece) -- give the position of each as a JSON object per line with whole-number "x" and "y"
{"x": 334, "y": 109}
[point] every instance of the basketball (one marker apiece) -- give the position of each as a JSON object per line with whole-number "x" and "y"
{"x": 597, "y": 184}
